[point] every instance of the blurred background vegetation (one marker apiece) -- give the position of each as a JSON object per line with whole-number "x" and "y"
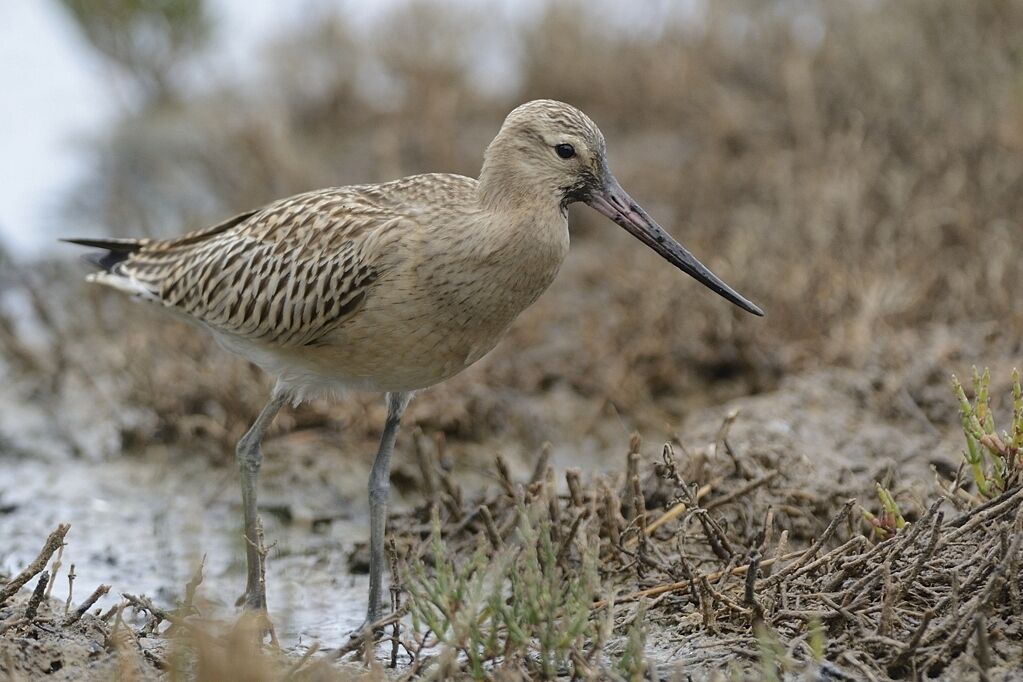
{"x": 854, "y": 167}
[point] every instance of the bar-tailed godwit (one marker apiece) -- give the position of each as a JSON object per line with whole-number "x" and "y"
{"x": 391, "y": 287}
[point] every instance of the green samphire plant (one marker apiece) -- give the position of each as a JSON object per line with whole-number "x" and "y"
{"x": 993, "y": 457}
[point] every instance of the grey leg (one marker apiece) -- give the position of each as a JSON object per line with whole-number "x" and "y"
{"x": 249, "y": 458}
{"x": 379, "y": 487}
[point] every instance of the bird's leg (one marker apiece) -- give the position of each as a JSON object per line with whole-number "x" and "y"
{"x": 379, "y": 487}
{"x": 249, "y": 458}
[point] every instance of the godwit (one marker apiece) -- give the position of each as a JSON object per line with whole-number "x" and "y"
{"x": 392, "y": 287}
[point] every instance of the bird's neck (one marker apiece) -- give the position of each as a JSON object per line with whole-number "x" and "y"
{"x": 527, "y": 222}
{"x": 505, "y": 184}
{"x": 522, "y": 218}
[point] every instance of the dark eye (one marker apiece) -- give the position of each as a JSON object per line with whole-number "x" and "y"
{"x": 565, "y": 151}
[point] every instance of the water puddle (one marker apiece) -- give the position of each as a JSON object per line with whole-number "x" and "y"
{"x": 142, "y": 527}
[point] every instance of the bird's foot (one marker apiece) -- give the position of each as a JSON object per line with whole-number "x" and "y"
{"x": 255, "y": 619}
{"x": 368, "y": 629}
{"x": 370, "y": 633}
{"x": 360, "y": 639}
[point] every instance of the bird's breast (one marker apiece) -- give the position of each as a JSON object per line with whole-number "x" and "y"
{"x": 445, "y": 309}
{"x": 480, "y": 293}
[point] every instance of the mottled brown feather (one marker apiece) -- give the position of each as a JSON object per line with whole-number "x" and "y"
{"x": 285, "y": 274}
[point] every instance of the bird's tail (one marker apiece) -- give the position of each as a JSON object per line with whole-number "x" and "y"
{"x": 113, "y": 251}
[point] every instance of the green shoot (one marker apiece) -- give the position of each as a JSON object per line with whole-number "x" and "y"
{"x": 993, "y": 459}
{"x": 891, "y": 520}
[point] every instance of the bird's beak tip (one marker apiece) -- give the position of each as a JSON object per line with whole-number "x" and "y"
{"x": 617, "y": 205}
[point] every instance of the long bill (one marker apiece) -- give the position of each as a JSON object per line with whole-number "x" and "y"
{"x": 616, "y": 204}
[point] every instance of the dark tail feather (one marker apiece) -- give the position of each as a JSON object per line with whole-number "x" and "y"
{"x": 114, "y": 250}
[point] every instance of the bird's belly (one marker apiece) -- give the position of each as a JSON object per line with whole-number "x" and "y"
{"x": 399, "y": 355}
{"x": 416, "y": 330}
{"x": 420, "y": 341}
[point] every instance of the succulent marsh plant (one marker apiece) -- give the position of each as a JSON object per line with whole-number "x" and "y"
{"x": 993, "y": 458}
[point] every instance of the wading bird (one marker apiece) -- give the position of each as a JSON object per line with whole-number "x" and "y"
{"x": 391, "y": 287}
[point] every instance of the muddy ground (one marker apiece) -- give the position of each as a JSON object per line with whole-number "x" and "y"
{"x": 142, "y": 524}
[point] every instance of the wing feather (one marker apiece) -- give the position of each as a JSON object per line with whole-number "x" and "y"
{"x": 286, "y": 274}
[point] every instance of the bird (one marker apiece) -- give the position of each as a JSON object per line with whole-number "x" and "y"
{"x": 390, "y": 287}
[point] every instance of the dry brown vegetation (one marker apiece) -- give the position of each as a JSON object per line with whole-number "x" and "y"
{"x": 713, "y": 553}
{"x": 856, "y": 168}
{"x": 859, "y": 186}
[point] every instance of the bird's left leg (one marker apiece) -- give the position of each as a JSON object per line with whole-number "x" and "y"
{"x": 379, "y": 488}
{"x": 249, "y": 458}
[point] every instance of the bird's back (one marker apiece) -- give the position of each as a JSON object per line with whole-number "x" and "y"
{"x": 284, "y": 274}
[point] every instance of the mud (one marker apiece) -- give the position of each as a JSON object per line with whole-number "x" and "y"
{"x": 142, "y": 522}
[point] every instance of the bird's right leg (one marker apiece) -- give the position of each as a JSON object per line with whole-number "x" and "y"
{"x": 379, "y": 490}
{"x": 249, "y": 458}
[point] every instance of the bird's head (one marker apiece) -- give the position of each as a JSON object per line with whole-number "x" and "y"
{"x": 551, "y": 151}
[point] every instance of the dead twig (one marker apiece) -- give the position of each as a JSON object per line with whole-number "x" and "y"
{"x": 55, "y": 569}
{"x": 396, "y": 591}
{"x": 144, "y": 603}
{"x": 367, "y": 634}
{"x": 825, "y": 536}
{"x": 984, "y": 662}
{"x": 684, "y": 584}
{"x": 86, "y": 605}
{"x": 54, "y": 541}
{"x": 37, "y": 596}
{"x": 985, "y": 513}
{"x": 427, "y": 465}
{"x": 740, "y": 492}
{"x": 70, "y": 589}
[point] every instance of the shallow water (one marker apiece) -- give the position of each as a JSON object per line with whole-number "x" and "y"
{"x": 141, "y": 527}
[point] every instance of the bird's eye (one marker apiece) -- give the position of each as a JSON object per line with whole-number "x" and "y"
{"x": 565, "y": 151}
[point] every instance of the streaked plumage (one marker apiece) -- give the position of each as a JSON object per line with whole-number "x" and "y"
{"x": 391, "y": 287}
{"x": 335, "y": 287}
